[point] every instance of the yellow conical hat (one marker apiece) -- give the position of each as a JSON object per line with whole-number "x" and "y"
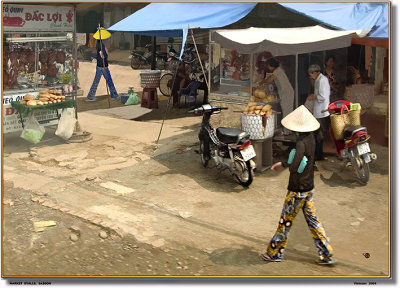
{"x": 104, "y": 34}
{"x": 300, "y": 120}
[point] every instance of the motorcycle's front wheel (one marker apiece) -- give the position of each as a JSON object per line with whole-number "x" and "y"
{"x": 360, "y": 166}
{"x": 135, "y": 63}
{"x": 204, "y": 158}
{"x": 243, "y": 172}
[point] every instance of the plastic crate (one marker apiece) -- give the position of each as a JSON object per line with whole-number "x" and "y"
{"x": 150, "y": 78}
{"x": 253, "y": 124}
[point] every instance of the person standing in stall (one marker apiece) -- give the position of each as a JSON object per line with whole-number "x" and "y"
{"x": 285, "y": 89}
{"x": 331, "y": 75}
{"x": 321, "y": 100}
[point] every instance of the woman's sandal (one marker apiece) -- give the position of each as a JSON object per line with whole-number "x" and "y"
{"x": 328, "y": 261}
{"x": 267, "y": 258}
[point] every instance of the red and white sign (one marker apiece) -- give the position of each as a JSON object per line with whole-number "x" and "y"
{"x": 11, "y": 119}
{"x": 27, "y": 18}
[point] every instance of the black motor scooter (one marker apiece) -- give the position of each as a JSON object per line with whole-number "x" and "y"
{"x": 230, "y": 148}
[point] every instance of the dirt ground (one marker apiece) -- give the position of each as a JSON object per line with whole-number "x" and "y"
{"x": 127, "y": 206}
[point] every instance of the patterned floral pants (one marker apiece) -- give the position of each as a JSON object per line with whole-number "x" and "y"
{"x": 99, "y": 73}
{"x": 293, "y": 203}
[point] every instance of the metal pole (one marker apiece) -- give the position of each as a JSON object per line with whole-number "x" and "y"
{"x": 210, "y": 60}
{"x": 296, "y": 98}
{"x": 104, "y": 67}
{"x": 169, "y": 100}
{"x": 153, "y": 53}
{"x": 75, "y": 55}
{"x": 251, "y": 73}
{"x": 198, "y": 56}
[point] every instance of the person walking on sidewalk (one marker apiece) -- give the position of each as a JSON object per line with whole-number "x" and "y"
{"x": 100, "y": 67}
{"x": 300, "y": 189}
{"x": 321, "y": 100}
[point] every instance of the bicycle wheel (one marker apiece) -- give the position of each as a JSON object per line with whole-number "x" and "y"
{"x": 166, "y": 84}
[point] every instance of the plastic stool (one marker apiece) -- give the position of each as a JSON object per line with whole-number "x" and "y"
{"x": 149, "y": 98}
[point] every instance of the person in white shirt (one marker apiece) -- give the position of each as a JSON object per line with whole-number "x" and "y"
{"x": 321, "y": 100}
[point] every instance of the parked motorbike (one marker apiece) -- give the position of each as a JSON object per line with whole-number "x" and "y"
{"x": 141, "y": 58}
{"x": 230, "y": 148}
{"x": 354, "y": 147}
{"x": 188, "y": 57}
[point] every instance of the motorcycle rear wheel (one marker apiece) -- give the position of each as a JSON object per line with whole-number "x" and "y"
{"x": 135, "y": 63}
{"x": 245, "y": 178}
{"x": 166, "y": 84}
{"x": 360, "y": 166}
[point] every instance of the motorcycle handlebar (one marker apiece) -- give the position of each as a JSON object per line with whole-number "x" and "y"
{"x": 201, "y": 109}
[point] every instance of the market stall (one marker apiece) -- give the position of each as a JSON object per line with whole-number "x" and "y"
{"x": 39, "y": 54}
{"x": 238, "y": 58}
{"x": 239, "y": 61}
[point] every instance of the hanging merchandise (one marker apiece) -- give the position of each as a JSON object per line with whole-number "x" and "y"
{"x": 33, "y": 131}
{"x": 66, "y": 125}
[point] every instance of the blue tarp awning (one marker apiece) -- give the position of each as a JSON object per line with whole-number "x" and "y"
{"x": 348, "y": 16}
{"x": 172, "y": 19}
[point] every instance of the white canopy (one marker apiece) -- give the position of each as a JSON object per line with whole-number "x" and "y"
{"x": 284, "y": 41}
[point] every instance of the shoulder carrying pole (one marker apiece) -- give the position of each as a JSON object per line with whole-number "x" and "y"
{"x": 104, "y": 67}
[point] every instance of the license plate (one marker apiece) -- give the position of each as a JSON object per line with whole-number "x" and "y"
{"x": 363, "y": 148}
{"x": 248, "y": 153}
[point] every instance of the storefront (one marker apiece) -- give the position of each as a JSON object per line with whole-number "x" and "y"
{"x": 39, "y": 52}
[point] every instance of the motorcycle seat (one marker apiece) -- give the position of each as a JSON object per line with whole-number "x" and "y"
{"x": 230, "y": 135}
{"x": 349, "y": 130}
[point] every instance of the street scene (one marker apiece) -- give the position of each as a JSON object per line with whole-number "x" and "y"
{"x": 150, "y": 190}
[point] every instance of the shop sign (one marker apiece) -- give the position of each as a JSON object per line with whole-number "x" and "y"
{"x": 38, "y": 18}
{"x": 12, "y": 121}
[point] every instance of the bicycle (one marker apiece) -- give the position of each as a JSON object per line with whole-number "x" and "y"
{"x": 166, "y": 79}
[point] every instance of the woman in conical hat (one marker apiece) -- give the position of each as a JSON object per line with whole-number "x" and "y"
{"x": 102, "y": 66}
{"x": 300, "y": 189}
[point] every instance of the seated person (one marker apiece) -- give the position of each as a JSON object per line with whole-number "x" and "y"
{"x": 190, "y": 92}
{"x": 181, "y": 79}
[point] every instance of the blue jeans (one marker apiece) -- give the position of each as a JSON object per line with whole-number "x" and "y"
{"x": 99, "y": 73}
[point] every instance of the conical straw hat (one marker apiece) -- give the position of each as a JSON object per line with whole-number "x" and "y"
{"x": 104, "y": 34}
{"x": 300, "y": 120}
